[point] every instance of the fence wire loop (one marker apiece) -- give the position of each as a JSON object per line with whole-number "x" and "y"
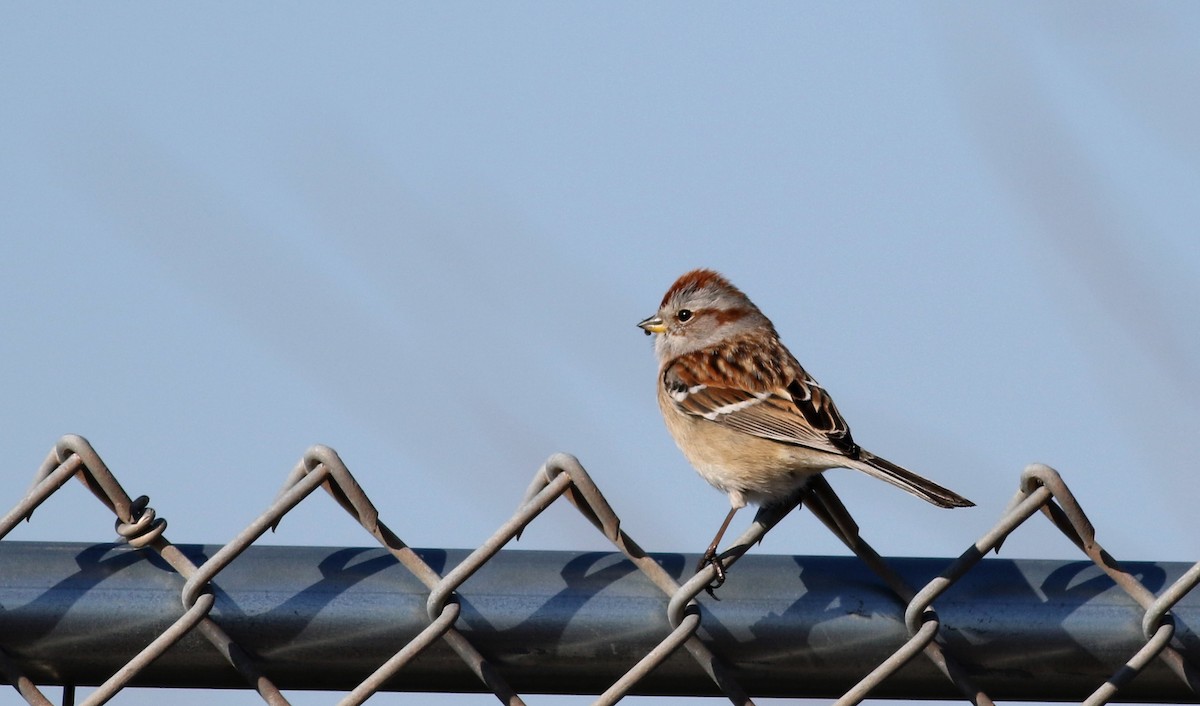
{"x": 96, "y": 476}
{"x": 146, "y": 526}
{"x": 1040, "y": 488}
{"x": 342, "y": 486}
{"x": 1159, "y": 610}
{"x": 1064, "y": 510}
{"x": 582, "y": 493}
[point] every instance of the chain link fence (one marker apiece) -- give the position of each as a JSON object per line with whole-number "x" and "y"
{"x": 1041, "y": 490}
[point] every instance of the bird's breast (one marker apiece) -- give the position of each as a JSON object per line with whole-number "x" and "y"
{"x": 761, "y": 469}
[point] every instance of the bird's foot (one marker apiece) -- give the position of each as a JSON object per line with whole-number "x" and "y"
{"x": 710, "y": 558}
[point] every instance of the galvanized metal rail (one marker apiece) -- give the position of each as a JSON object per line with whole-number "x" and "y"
{"x": 155, "y": 613}
{"x": 558, "y": 622}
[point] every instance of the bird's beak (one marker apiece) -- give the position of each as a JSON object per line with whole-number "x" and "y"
{"x": 654, "y": 324}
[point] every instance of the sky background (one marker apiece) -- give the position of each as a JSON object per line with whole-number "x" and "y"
{"x": 422, "y": 235}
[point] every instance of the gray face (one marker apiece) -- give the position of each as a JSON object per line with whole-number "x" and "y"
{"x": 701, "y": 318}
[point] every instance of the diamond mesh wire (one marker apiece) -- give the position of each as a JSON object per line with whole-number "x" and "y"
{"x": 562, "y": 476}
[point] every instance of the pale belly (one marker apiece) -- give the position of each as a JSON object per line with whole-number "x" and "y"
{"x": 747, "y": 468}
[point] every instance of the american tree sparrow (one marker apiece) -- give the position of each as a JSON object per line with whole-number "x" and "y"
{"x": 743, "y": 411}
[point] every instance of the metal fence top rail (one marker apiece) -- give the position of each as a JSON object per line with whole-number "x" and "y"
{"x": 558, "y": 622}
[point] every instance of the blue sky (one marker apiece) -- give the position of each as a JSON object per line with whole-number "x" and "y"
{"x": 422, "y": 235}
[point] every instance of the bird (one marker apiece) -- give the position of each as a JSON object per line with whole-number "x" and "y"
{"x": 744, "y": 412}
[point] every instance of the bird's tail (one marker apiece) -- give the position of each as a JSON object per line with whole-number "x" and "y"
{"x": 923, "y": 488}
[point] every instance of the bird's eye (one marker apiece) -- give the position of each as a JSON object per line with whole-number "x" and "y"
{"x": 684, "y": 315}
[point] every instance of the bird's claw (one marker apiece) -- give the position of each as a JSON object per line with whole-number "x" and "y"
{"x": 710, "y": 558}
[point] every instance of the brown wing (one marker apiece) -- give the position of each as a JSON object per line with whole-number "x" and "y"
{"x": 812, "y": 401}
{"x": 791, "y": 411}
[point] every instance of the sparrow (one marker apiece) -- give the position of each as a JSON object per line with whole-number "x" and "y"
{"x": 743, "y": 411}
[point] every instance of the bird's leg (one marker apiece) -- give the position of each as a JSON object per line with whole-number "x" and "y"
{"x": 710, "y": 556}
